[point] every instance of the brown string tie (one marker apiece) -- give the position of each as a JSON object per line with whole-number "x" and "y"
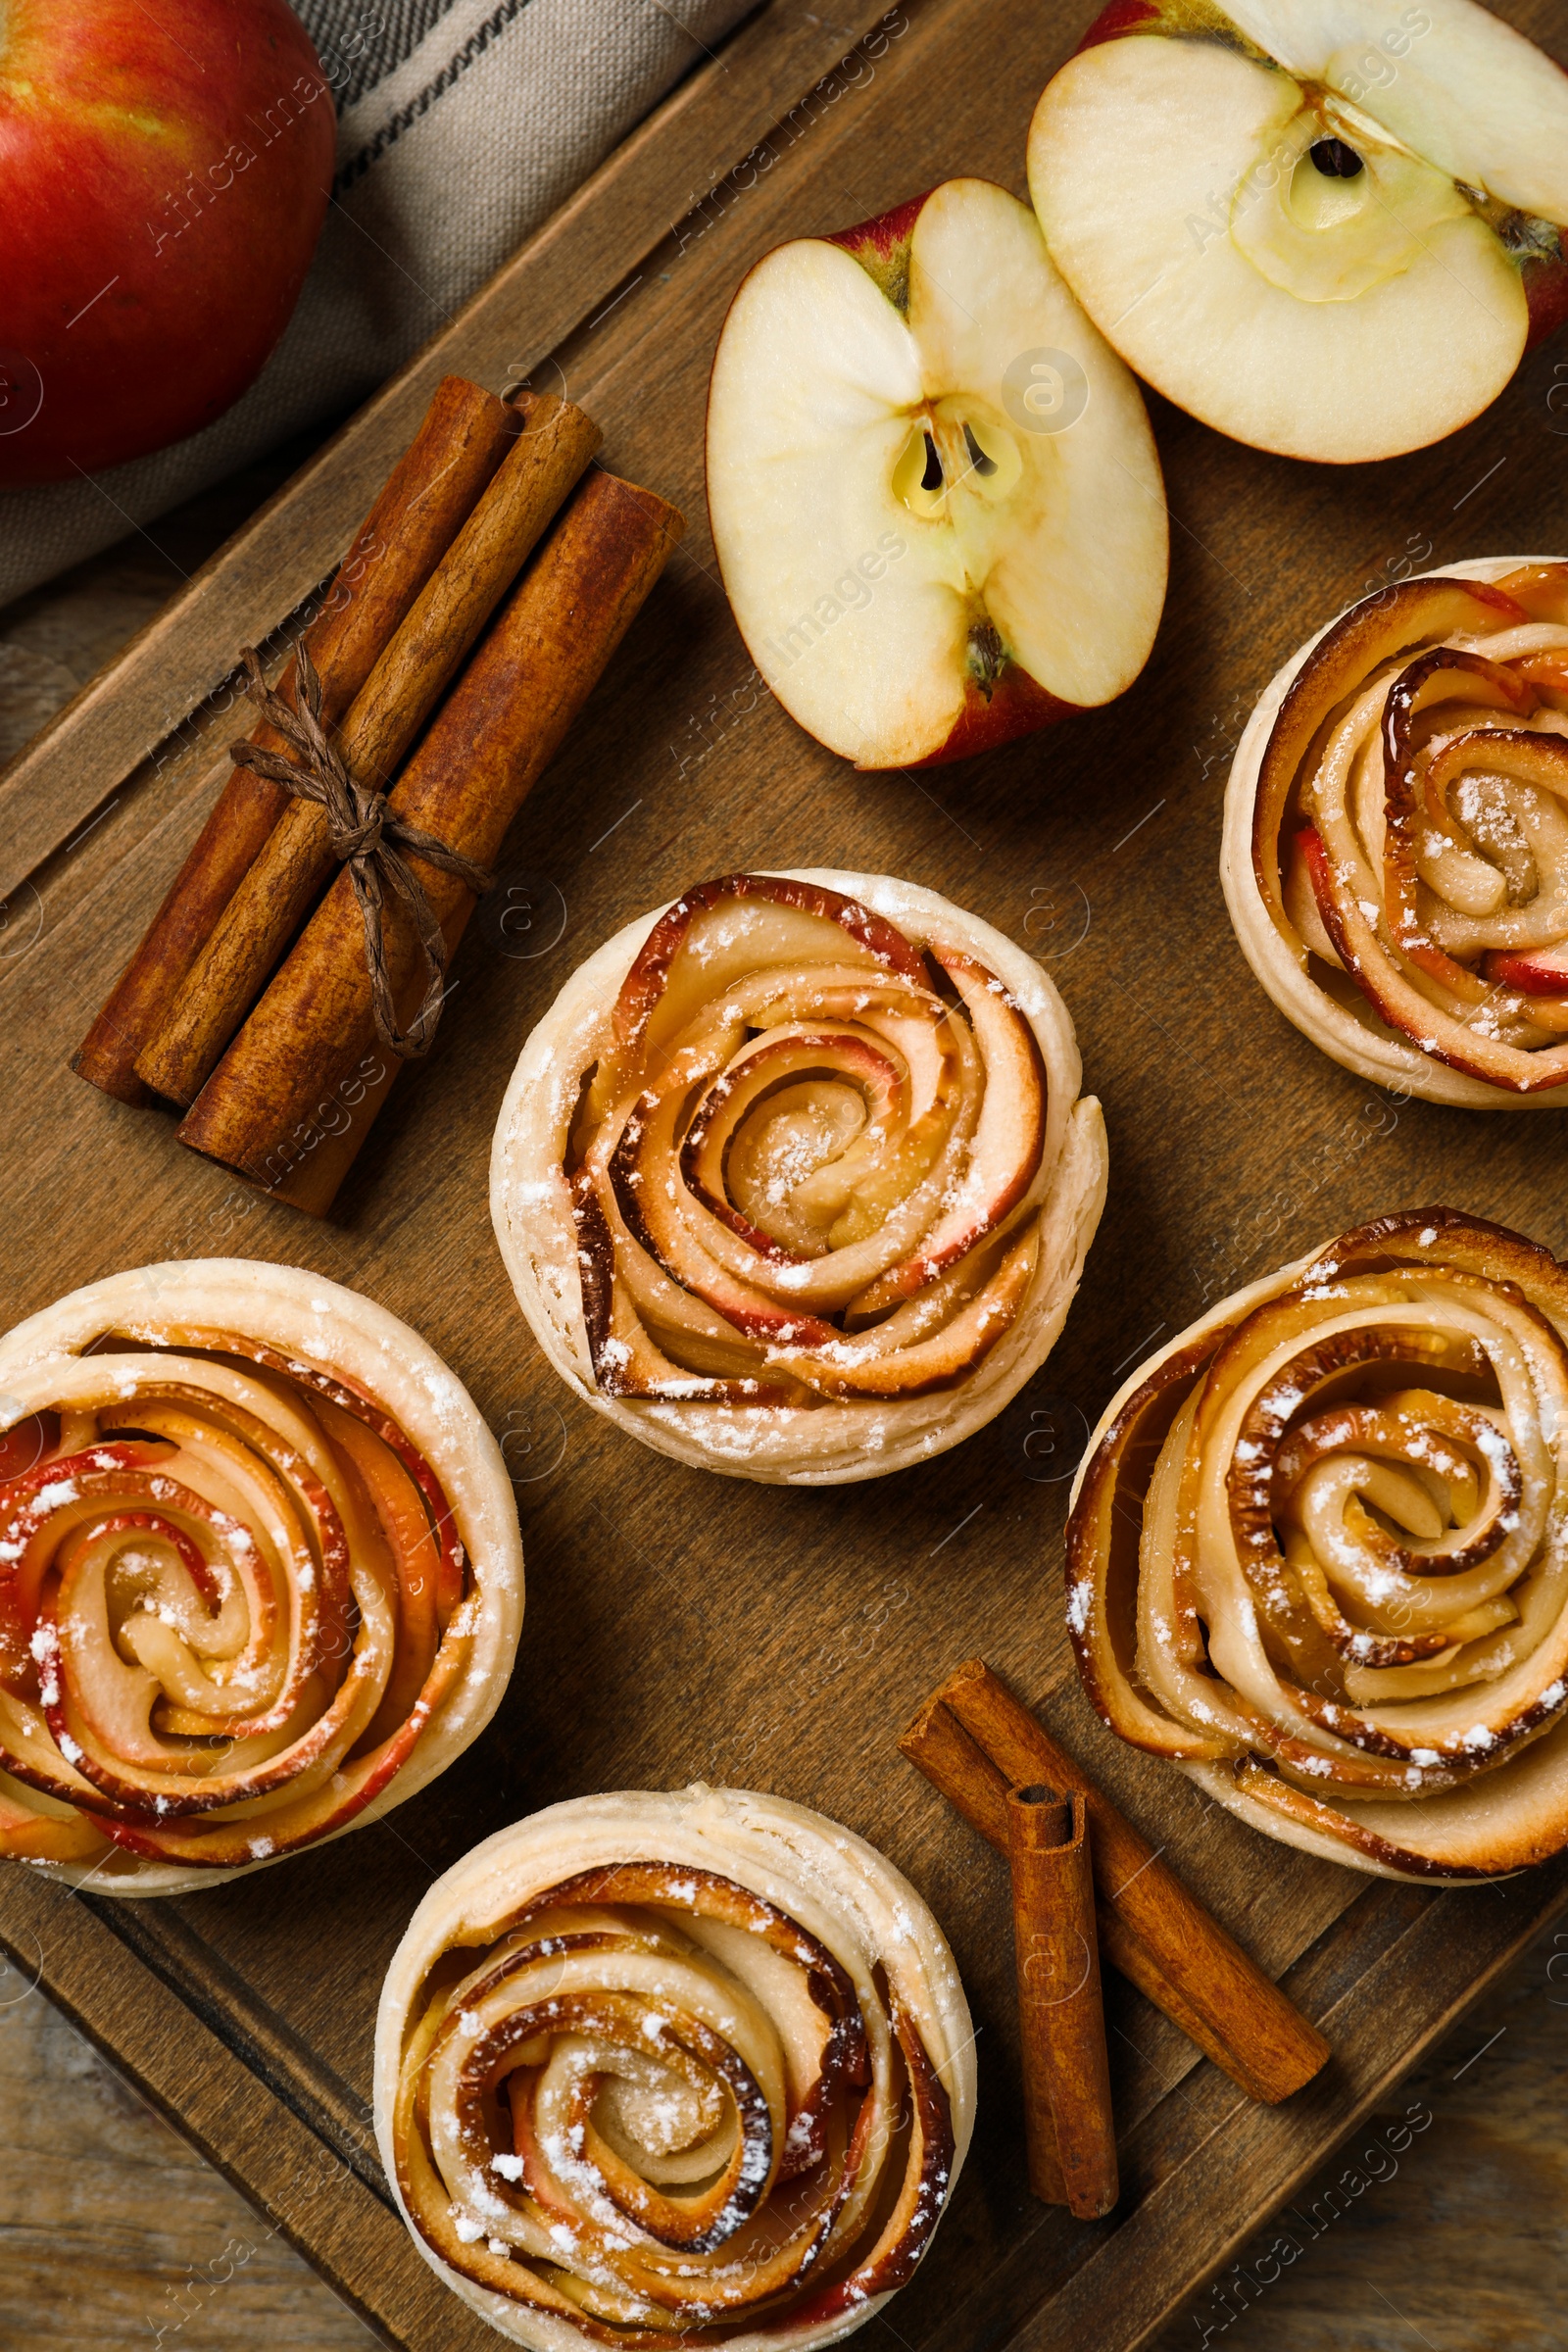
{"x": 368, "y": 836}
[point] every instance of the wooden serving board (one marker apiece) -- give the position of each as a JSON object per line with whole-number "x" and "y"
{"x": 682, "y": 1626}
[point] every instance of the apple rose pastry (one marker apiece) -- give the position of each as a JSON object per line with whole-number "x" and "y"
{"x": 1319, "y": 1552}
{"x": 260, "y": 1572}
{"x": 659, "y": 2069}
{"x": 1395, "y": 857}
{"x": 794, "y": 1181}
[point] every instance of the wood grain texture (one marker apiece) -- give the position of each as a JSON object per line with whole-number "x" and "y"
{"x": 682, "y": 1626}
{"x": 1454, "y": 2229}
{"x": 1444, "y": 2220}
{"x": 112, "y": 2227}
{"x": 55, "y": 640}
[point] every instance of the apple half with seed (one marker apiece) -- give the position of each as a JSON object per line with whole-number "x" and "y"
{"x": 1327, "y": 227}
{"x": 934, "y": 493}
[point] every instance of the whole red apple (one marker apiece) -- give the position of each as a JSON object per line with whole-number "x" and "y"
{"x": 164, "y": 175}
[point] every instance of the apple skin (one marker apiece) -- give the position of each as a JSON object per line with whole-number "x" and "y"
{"x": 1544, "y": 277}
{"x": 164, "y": 176}
{"x": 1121, "y": 16}
{"x": 1541, "y": 973}
{"x": 1545, "y": 283}
{"x": 882, "y": 245}
{"x": 1016, "y": 706}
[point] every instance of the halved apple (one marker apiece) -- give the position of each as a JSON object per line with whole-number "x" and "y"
{"x": 934, "y": 493}
{"x": 1327, "y": 227}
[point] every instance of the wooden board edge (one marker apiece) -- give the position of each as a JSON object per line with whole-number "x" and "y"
{"x": 274, "y": 562}
{"x": 217, "y": 2097}
{"x": 164, "y": 1942}
{"x": 352, "y": 2237}
{"x": 1300, "y": 2137}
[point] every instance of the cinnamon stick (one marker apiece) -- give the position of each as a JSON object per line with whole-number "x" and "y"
{"x": 386, "y": 716}
{"x": 426, "y": 499}
{"x": 966, "y": 1776}
{"x": 276, "y": 1108}
{"x": 975, "y": 1741}
{"x": 1066, "y": 2073}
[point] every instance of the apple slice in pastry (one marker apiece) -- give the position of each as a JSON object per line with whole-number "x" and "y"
{"x": 1316, "y": 1551}
{"x": 260, "y": 1572}
{"x": 1396, "y": 848}
{"x": 794, "y": 1180}
{"x": 680, "y": 2069}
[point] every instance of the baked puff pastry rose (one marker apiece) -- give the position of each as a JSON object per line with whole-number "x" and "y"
{"x": 673, "y": 2070}
{"x": 1395, "y": 855}
{"x": 259, "y": 1572}
{"x": 794, "y": 1180}
{"x": 1318, "y": 1552}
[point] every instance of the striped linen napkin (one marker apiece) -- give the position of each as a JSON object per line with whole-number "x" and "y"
{"x": 462, "y": 125}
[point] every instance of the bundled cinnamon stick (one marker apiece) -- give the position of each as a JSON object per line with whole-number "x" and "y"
{"x": 423, "y": 507}
{"x": 289, "y": 1105}
{"x": 974, "y": 1741}
{"x": 434, "y": 640}
{"x": 1066, "y": 2074}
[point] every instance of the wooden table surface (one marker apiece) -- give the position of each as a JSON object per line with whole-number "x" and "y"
{"x": 1443, "y": 2222}
{"x": 114, "y": 2232}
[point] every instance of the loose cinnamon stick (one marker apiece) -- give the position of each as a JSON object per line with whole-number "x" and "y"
{"x": 966, "y": 1776}
{"x": 974, "y": 1740}
{"x": 422, "y": 509}
{"x": 276, "y": 1108}
{"x": 1066, "y": 2073}
{"x": 387, "y": 714}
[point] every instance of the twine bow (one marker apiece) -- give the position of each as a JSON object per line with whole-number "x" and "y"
{"x": 368, "y": 836}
